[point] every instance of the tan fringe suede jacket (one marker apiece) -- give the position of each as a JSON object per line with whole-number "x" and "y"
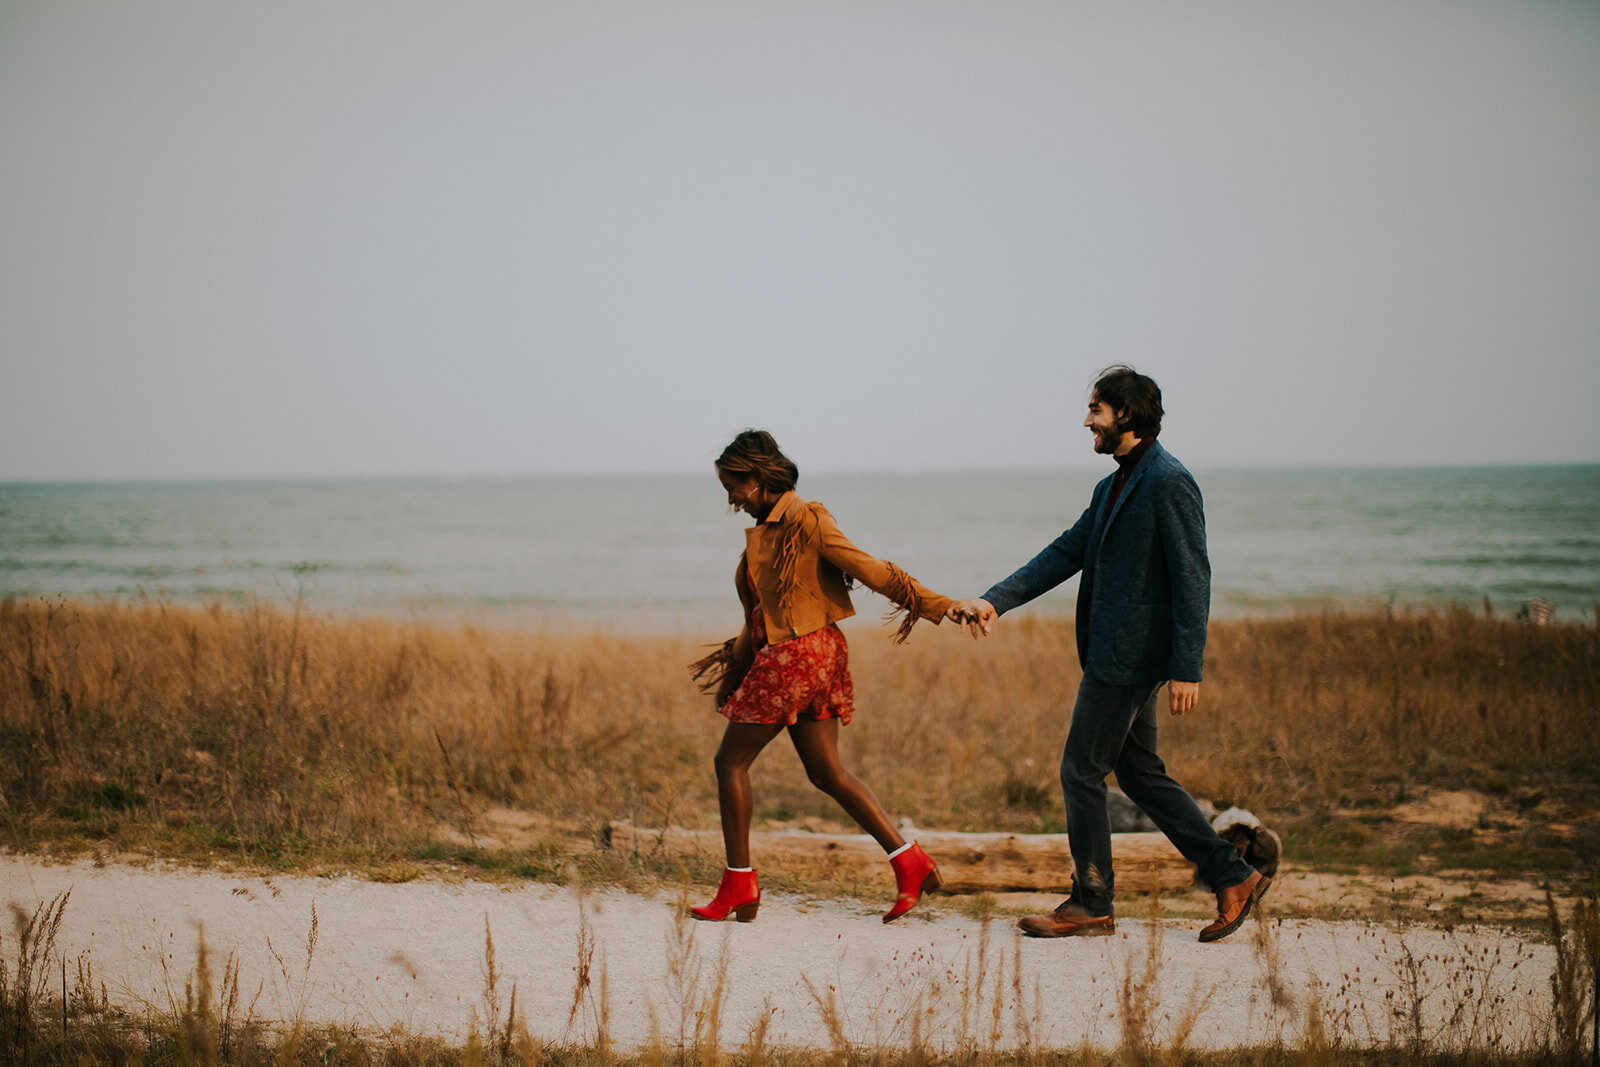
{"x": 803, "y": 568}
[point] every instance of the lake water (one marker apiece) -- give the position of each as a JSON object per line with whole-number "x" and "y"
{"x": 658, "y": 552}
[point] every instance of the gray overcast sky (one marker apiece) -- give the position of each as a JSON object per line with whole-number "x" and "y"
{"x": 357, "y": 238}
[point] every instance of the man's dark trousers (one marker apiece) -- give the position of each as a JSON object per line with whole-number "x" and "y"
{"x": 1114, "y": 729}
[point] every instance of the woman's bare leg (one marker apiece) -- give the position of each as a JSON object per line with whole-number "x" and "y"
{"x": 742, "y": 742}
{"x": 817, "y": 742}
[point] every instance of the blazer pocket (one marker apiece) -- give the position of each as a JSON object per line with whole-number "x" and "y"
{"x": 1144, "y": 639}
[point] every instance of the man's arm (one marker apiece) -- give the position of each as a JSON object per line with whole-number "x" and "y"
{"x": 1181, "y": 523}
{"x": 1055, "y": 563}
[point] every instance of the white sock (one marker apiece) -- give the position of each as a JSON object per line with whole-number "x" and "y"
{"x": 901, "y": 849}
{"x": 741, "y": 870}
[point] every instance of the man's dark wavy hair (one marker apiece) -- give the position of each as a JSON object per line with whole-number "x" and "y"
{"x": 1134, "y": 397}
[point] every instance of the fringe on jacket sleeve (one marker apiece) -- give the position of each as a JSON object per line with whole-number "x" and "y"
{"x": 902, "y": 591}
{"x": 712, "y": 670}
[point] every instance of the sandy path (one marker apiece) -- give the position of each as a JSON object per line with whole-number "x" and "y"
{"x": 413, "y": 956}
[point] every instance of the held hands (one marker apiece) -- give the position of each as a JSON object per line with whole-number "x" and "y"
{"x": 1182, "y": 697}
{"x": 977, "y": 615}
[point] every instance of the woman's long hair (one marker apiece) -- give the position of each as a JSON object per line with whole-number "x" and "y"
{"x": 755, "y": 452}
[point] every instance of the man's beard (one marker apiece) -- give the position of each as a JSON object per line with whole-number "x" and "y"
{"x": 1106, "y": 441}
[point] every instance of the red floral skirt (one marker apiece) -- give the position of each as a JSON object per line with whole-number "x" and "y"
{"x": 803, "y": 678}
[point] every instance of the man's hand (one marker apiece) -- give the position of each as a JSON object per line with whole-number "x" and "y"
{"x": 977, "y": 615}
{"x": 1182, "y": 697}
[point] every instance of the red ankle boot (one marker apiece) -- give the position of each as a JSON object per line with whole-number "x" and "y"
{"x": 738, "y": 894}
{"x": 914, "y": 875}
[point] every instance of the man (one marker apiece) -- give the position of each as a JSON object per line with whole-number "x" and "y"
{"x": 1141, "y": 623}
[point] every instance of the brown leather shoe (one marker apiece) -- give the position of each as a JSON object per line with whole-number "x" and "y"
{"x": 1234, "y": 903}
{"x": 1068, "y": 920}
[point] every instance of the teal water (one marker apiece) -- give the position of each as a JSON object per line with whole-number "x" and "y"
{"x": 658, "y": 552}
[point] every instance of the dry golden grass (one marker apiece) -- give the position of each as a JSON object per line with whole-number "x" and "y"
{"x": 278, "y": 736}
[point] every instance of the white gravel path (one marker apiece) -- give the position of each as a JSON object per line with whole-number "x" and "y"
{"x": 412, "y": 956}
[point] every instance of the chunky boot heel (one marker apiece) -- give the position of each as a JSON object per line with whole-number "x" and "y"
{"x": 738, "y": 894}
{"x": 914, "y": 875}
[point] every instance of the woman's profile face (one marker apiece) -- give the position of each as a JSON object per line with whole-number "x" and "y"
{"x": 744, "y": 492}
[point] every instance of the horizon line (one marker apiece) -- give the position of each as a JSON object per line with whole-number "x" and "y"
{"x": 827, "y": 472}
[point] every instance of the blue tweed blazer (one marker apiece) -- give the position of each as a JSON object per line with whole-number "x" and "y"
{"x": 1142, "y": 617}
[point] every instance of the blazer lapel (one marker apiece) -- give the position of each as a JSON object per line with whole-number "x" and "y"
{"x": 1098, "y": 531}
{"x": 1127, "y": 489}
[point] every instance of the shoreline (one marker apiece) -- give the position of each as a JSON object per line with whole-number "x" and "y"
{"x": 575, "y": 553}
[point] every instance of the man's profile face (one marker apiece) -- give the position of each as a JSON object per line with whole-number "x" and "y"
{"x": 1102, "y": 422}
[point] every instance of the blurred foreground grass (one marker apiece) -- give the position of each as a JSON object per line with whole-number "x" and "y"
{"x": 276, "y": 737}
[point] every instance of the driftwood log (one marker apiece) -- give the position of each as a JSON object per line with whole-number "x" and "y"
{"x": 970, "y": 863}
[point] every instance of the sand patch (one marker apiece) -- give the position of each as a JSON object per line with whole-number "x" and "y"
{"x": 1458, "y": 809}
{"x": 508, "y": 828}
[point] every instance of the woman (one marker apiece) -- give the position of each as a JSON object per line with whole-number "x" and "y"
{"x": 789, "y": 669}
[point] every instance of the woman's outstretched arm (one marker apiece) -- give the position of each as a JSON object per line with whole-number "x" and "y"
{"x": 886, "y": 579}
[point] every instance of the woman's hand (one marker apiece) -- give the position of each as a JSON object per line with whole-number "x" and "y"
{"x": 977, "y": 615}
